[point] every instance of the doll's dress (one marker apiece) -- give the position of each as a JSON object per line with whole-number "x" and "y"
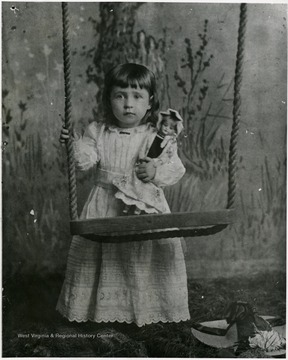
{"x": 147, "y": 197}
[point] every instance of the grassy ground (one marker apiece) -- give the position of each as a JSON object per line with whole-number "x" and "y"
{"x": 29, "y": 308}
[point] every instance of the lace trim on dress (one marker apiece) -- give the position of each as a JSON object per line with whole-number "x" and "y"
{"x": 140, "y": 205}
{"x": 112, "y": 317}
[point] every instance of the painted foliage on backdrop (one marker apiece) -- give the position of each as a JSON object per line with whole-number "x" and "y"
{"x": 34, "y": 165}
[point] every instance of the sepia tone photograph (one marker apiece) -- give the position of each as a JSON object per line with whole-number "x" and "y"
{"x": 144, "y": 179}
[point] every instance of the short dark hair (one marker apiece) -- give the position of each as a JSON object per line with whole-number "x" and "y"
{"x": 130, "y": 74}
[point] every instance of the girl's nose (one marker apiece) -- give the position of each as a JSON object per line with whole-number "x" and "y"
{"x": 128, "y": 102}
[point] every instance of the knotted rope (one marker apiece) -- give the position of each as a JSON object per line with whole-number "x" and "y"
{"x": 67, "y": 117}
{"x": 232, "y": 165}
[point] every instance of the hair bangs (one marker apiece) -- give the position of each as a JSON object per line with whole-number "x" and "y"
{"x": 133, "y": 80}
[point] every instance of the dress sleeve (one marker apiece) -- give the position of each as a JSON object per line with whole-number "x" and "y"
{"x": 85, "y": 148}
{"x": 169, "y": 168}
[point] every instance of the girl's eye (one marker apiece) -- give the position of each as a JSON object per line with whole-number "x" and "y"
{"x": 137, "y": 96}
{"x": 118, "y": 96}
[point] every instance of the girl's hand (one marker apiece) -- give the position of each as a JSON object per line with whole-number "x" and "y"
{"x": 64, "y": 136}
{"x": 146, "y": 170}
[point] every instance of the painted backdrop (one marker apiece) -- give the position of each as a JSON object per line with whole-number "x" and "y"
{"x": 192, "y": 49}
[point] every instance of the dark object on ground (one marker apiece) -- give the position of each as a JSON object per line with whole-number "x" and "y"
{"x": 244, "y": 330}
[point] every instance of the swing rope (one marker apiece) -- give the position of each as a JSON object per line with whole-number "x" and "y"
{"x": 185, "y": 224}
{"x": 67, "y": 117}
{"x": 232, "y": 165}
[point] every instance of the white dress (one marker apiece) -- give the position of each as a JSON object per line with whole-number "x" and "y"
{"x": 143, "y": 281}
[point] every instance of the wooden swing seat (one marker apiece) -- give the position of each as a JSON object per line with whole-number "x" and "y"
{"x": 124, "y": 228}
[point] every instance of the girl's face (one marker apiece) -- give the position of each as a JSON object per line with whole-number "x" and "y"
{"x": 129, "y": 105}
{"x": 168, "y": 126}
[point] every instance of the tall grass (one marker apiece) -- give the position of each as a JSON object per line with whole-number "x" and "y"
{"x": 191, "y": 193}
{"x": 262, "y": 231}
{"x": 257, "y": 238}
{"x": 32, "y": 211}
{"x": 35, "y": 196}
{"x": 201, "y": 151}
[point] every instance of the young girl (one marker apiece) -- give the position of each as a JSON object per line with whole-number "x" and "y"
{"x": 138, "y": 282}
{"x": 139, "y": 196}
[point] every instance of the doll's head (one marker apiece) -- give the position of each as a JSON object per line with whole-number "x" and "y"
{"x": 133, "y": 76}
{"x": 168, "y": 126}
{"x": 170, "y": 123}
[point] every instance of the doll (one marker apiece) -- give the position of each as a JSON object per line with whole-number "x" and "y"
{"x": 140, "y": 196}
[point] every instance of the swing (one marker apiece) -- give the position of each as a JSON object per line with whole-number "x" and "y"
{"x": 149, "y": 227}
